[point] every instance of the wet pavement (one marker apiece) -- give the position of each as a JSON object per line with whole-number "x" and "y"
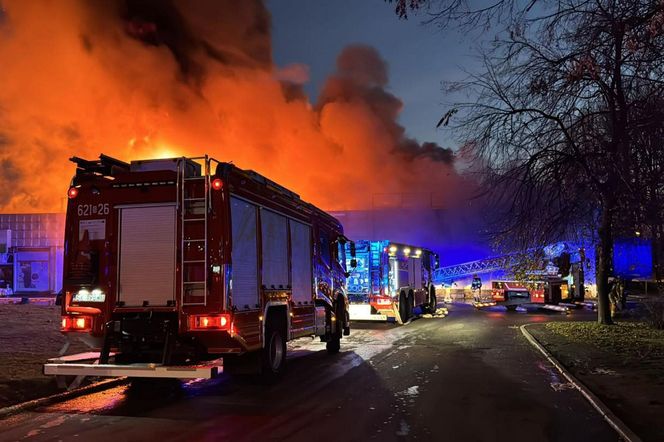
{"x": 470, "y": 376}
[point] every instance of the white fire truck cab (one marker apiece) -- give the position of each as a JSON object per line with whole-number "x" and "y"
{"x": 390, "y": 281}
{"x": 176, "y": 267}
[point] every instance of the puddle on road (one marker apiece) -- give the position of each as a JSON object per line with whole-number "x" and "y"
{"x": 404, "y": 428}
{"x": 604, "y": 371}
{"x": 555, "y": 381}
{"x": 52, "y": 423}
{"x": 410, "y": 391}
{"x": 561, "y": 387}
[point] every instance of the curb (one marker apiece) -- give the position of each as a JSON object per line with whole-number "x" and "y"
{"x": 618, "y": 425}
{"x": 25, "y": 300}
{"x": 60, "y": 397}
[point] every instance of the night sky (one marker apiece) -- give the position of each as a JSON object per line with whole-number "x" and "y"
{"x": 313, "y": 32}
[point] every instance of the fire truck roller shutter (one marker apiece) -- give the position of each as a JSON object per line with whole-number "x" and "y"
{"x": 274, "y": 240}
{"x": 147, "y": 255}
{"x": 244, "y": 255}
{"x": 301, "y": 261}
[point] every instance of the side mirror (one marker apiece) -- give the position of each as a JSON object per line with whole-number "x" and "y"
{"x": 353, "y": 263}
{"x": 352, "y": 252}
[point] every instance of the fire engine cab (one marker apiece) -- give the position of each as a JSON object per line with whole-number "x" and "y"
{"x": 390, "y": 281}
{"x": 510, "y": 294}
{"x": 175, "y": 267}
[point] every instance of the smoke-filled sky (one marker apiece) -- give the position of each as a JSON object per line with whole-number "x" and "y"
{"x": 152, "y": 78}
{"x": 419, "y": 56}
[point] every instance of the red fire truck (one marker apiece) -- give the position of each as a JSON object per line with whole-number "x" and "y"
{"x": 511, "y": 294}
{"x": 175, "y": 267}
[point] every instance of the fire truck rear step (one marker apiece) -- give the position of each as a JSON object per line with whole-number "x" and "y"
{"x": 362, "y": 312}
{"x": 204, "y": 371}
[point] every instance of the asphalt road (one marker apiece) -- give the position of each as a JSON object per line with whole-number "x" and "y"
{"x": 468, "y": 377}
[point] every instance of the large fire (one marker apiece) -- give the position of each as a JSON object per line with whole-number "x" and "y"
{"x": 146, "y": 79}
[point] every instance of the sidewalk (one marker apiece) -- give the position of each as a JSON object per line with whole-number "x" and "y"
{"x": 30, "y": 334}
{"x": 621, "y": 364}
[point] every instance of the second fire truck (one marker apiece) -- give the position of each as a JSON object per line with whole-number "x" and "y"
{"x": 391, "y": 281}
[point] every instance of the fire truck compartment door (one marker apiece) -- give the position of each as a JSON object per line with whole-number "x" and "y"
{"x": 415, "y": 272}
{"x": 274, "y": 242}
{"x": 147, "y": 255}
{"x": 300, "y": 235}
{"x": 244, "y": 255}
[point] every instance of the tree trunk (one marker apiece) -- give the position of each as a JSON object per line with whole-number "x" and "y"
{"x": 604, "y": 262}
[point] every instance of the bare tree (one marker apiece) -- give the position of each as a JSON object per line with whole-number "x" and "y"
{"x": 559, "y": 118}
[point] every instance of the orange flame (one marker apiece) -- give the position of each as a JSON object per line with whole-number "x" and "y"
{"x": 76, "y": 80}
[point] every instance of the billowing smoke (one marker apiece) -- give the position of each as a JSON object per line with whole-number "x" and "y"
{"x": 162, "y": 78}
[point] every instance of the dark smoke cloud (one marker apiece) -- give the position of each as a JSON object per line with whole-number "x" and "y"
{"x": 364, "y": 65}
{"x": 229, "y": 32}
{"x": 362, "y": 76}
{"x": 412, "y": 150}
{"x": 9, "y": 176}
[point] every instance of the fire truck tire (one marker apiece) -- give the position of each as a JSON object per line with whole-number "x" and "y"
{"x": 273, "y": 357}
{"x": 404, "y": 312}
{"x": 334, "y": 344}
{"x": 433, "y": 302}
{"x": 411, "y": 304}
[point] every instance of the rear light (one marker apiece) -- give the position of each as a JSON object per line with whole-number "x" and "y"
{"x": 72, "y": 193}
{"x": 76, "y": 323}
{"x": 217, "y": 184}
{"x": 210, "y": 322}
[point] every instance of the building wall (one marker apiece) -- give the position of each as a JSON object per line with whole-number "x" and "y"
{"x": 36, "y": 251}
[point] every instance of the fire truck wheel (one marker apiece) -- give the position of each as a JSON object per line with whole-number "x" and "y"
{"x": 334, "y": 344}
{"x": 433, "y": 302}
{"x": 404, "y": 312}
{"x": 274, "y": 352}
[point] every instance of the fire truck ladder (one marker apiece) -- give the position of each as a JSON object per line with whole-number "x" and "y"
{"x": 193, "y": 202}
{"x": 445, "y": 274}
{"x": 487, "y": 265}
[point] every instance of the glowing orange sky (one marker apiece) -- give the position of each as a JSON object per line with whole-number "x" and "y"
{"x": 75, "y": 81}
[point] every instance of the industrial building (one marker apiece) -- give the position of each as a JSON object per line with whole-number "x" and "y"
{"x": 31, "y": 253}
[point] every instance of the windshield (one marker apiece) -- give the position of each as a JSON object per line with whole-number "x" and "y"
{"x": 341, "y": 254}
